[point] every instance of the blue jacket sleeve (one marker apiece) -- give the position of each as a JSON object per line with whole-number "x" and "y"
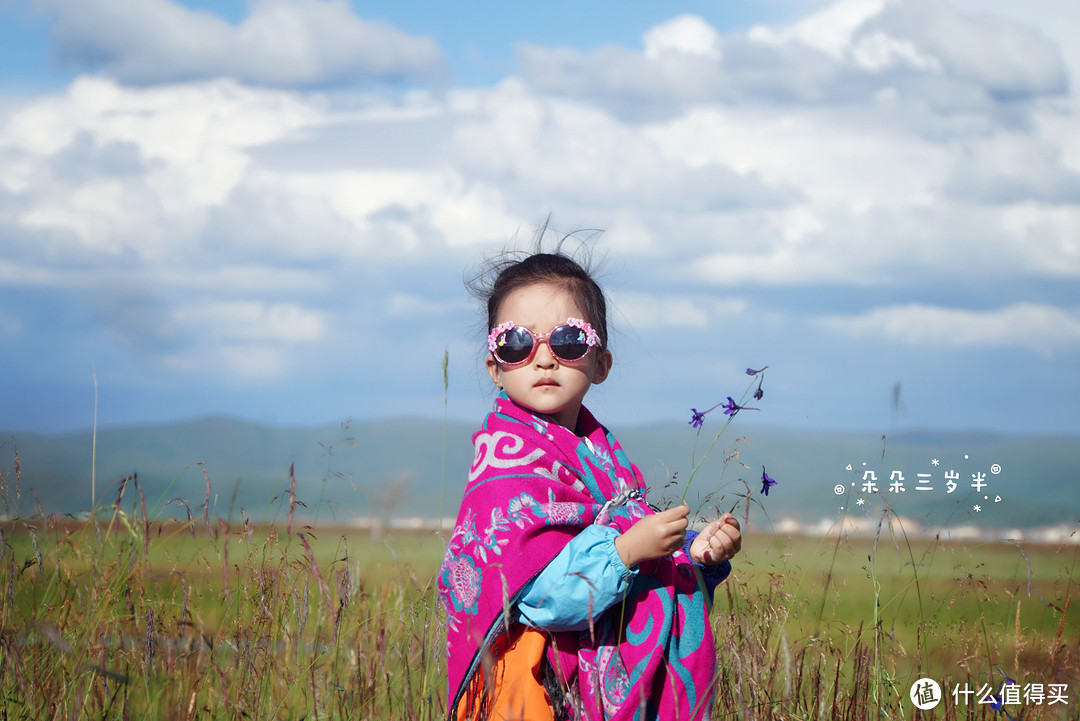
{"x": 585, "y": 579}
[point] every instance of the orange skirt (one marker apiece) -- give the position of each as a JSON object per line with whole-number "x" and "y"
{"x": 514, "y": 684}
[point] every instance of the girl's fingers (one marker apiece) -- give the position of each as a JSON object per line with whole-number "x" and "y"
{"x": 722, "y": 547}
{"x": 703, "y": 543}
{"x": 710, "y": 530}
{"x": 723, "y": 539}
{"x": 677, "y": 521}
{"x": 673, "y": 515}
{"x": 732, "y": 538}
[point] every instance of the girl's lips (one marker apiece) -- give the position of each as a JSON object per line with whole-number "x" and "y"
{"x": 545, "y": 382}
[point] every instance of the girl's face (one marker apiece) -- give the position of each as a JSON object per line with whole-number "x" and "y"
{"x": 546, "y": 384}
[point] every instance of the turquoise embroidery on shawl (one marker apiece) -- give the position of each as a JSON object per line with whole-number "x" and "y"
{"x": 461, "y": 578}
{"x": 621, "y": 512}
{"x": 537, "y": 423}
{"x": 602, "y": 456}
{"x": 503, "y": 417}
{"x": 644, "y": 584}
{"x": 686, "y": 643}
{"x": 492, "y": 542}
{"x": 505, "y": 476}
{"x": 585, "y": 454}
{"x": 515, "y": 512}
{"x": 468, "y": 528}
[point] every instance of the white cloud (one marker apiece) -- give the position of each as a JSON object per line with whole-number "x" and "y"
{"x": 280, "y": 42}
{"x": 780, "y": 164}
{"x": 995, "y": 53}
{"x": 213, "y": 174}
{"x": 828, "y": 30}
{"x": 191, "y": 140}
{"x": 253, "y": 321}
{"x": 209, "y": 335}
{"x": 1010, "y": 61}
{"x": 945, "y": 244}
{"x": 223, "y": 231}
{"x": 254, "y": 361}
{"x": 1051, "y": 237}
{"x": 833, "y": 157}
{"x": 238, "y": 362}
{"x": 1035, "y": 327}
{"x": 244, "y": 278}
{"x": 1010, "y": 168}
{"x": 849, "y": 52}
{"x": 410, "y": 305}
{"x": 14, "y": 274}
{"x": 1055, "y": 19}
{"x": 546, "y": 150}
{"x": 650, "y": 311}
{"x": 688, "y": 34}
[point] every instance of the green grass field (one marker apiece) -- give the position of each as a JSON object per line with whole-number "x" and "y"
{"x": 124, "y": 617}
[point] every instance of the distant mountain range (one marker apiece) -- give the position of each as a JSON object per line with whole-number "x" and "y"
{"x": 395, "y": 468}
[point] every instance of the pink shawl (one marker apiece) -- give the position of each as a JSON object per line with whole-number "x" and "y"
{"x": 532, "y": 487}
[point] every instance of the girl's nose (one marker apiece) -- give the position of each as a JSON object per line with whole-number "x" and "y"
{"x": 544, "y": 357}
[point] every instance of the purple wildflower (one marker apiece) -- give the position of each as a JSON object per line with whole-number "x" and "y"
{"x": 758, "y": 394}
{"x": 752, "y": 372}
{"x": 697, "y": 419}
{"x": 766, "y": 481}
{"x": 731, "y": 407}
{"x": 998, "y": 702}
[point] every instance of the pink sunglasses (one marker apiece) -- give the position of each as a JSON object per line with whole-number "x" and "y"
{"x": 513, "y": 345}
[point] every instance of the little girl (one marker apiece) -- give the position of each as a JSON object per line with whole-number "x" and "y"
{"x": 567, "y": 595}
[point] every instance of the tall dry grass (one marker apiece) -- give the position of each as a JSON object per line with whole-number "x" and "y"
{"x": 122, "y": 616}
{"x": 125, "y": 614}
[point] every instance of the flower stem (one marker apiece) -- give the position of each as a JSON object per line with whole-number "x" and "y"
{"x": 727, "y": 421}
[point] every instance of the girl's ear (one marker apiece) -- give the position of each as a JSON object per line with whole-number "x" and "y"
{"x": 603, "y": 366}
{"x": 493, "y": 370}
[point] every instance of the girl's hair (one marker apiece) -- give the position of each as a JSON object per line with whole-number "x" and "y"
{"x": 510, "y": 271}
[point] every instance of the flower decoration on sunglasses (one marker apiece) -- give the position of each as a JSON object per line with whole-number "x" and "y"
{"x": 591, "y": 338}
{"x": 493, "y": 336}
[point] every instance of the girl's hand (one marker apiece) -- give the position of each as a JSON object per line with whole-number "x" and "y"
{"x": 719, "y": 541}
{"x": 655, "y": 536}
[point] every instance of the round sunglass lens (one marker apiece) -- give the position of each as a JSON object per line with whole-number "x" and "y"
{"x": 514, "y": 345}
{"x": 569, "y": 343}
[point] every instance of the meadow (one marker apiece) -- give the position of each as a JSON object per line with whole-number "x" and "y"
{"x": 126, "y": 615}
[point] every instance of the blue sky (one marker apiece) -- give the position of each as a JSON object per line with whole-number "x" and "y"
{"x": 266, "y": 208}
